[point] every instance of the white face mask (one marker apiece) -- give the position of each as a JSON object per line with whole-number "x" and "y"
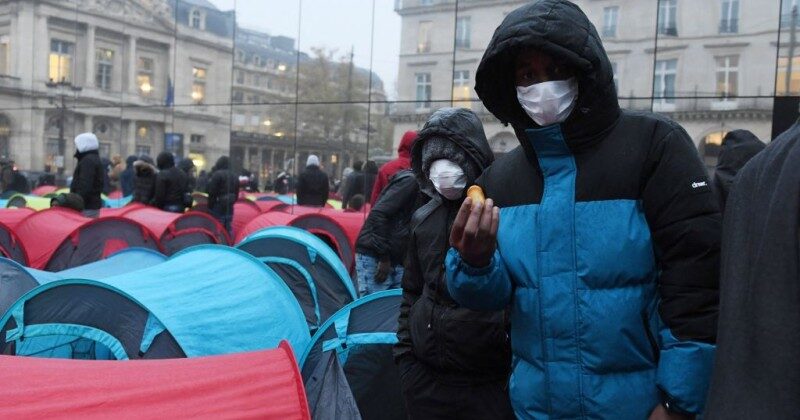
{"x": 549, "y": 103}
{"x": 448, "y": 178}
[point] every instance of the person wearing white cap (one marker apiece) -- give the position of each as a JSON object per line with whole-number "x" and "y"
{"x": 87, "y": 180}
{"x": 313, "y": 186}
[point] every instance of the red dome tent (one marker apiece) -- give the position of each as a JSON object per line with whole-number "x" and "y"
{"x": 243, "y": 212}
{"x": 351, "y": 221}
{"x": 264, "y": 384}
{"x": 332, "y": 232}
{"x": 56, "y": 239}
{"x": 44, "y": 190}
{"x": 11, "y": 246}
{"x": 177, "y": 231}
{"x": 273, "y": 218}
{"x": 12, "y": 216}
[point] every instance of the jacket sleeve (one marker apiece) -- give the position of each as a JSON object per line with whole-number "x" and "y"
{"x": 213, "y": 190}
{"x": 83, "y": 179}
{"x": 480, "y": 289}
{"x": 683, "y": 214}
{"x": 413, "y": 283}
{"x": 385, "y": 212}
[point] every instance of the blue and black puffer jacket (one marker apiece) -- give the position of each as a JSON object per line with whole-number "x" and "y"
{"x": 608, "y": 247}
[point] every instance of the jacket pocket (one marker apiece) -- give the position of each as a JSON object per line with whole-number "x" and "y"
{"x": 421, "y": 329}
{"x": 651, "y": 337}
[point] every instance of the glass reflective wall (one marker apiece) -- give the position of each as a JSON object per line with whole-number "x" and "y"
{"x": 271, "y": 82}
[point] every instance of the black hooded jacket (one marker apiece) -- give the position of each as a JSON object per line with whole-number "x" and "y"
{"x": 453, "y": 341}
{"x": 88, "y": 179}
{"x": 172, "y": 184}
{"x": 313, "y": 187}
{"x": 756, "y": 374}
{"x": 603, "y": 163}
{"x": 223, "y": 187}
{"x": 738, "y": 147}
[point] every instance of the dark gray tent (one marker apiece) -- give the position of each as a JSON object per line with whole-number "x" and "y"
{"x": 348, "y": 368}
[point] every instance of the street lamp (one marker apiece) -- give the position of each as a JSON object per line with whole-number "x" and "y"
{"x": 62, "y": 89}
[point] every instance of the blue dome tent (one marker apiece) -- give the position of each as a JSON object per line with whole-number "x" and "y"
{"x": 16, "y": 280}
{"x": 205, "y": 300}
{"x": 348, "y": 368}
{"x": 311, "y": 269}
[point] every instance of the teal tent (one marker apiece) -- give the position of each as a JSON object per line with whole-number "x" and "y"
{"x": 205, "y": 300}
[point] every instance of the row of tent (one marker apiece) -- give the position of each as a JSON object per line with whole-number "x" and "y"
{"x": 280, "y": 283}
{"x": 75, "y": 240}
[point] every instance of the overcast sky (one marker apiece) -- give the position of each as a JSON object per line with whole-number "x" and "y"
{"x": 333, "y": 24}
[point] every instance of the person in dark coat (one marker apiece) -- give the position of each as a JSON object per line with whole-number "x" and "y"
{"x": 454, "y": 362}
{"x": 313, "y": 185}
{"x": 282, "y": 183}
{"x": 601, "y": 232}
{"x": 370, "y": 176}
{"x": 127, "y": 178}
{"x": 381, "y": 244}
{"x": 350, "y": 185}
{"x": 172, "y": 185}
{"x": 145, "y": 180}
{"x": 89, "y": 175}
{"x": 756, "y": 373}
{"x": 402, "y": 162}
{"x": 738, "y": 147}
{"x": 188, "y": 168}
{"x": 223, "y": 191}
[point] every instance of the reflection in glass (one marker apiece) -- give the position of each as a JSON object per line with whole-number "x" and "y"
{"x": 667, "y": 17}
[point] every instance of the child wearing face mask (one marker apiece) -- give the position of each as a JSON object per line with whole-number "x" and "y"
{"x": 454, "y": 362}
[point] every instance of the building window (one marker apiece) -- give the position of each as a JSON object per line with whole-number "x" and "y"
{"x": 664, "y": 81}
{"x": 784, "y": 78}
{"x": 144, "y": 134}
{"x": 144, "y": 75}
{"x": 425, "y": 2}
{"x": 423, "y": 90}
{"x": 610, "y": 17}
{"x": 238, "y": 119}
{"x": 196, "y": 139}
{"x": 105, "y": 67}
{"x": 196, "y": 19}
{"x": 4, "y": 55}
{"x": 198, "y": 84}
{"x": 424, "y": 37}
{"x": 238, "y": 96}
{"x": 143, "y": 150}
{"x": 61, "y": 60}
{"x": 729, "y": 24}
{"x": 614, "y": 69}
{"x": 728, "y": 76}
{"x": 105, "y": 150}
{"x": 461, "y": 92}
{"x": 667, "y": 17}
{"x": 239, "y": 77}
{"x": 463, "y": 32}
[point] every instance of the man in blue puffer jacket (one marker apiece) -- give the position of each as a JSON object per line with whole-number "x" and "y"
{"x": 601, "y": 232}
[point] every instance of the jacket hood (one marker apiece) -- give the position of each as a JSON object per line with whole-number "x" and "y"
{"x": 144, "y": 168}
{"x": 186, "y": 165}
{"x": 86, "y": 142}
{"x": 738, "y": 147}
{"x": 223, "y": 162}
{"x": 130, "y": 160}
{"x": 560, "y": 29}
{"x": 406, "y": 143}
{"x": 165, "y": 160}
{"x": 461, "y": 127}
